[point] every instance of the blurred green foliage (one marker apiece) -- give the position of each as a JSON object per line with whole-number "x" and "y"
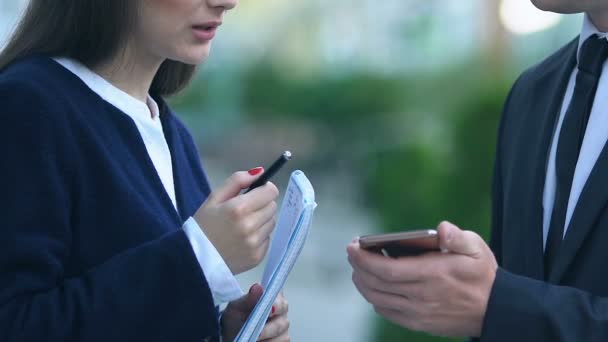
{"x": 342, "y": 103}
{"x": 418, "y": 185}
{"x": 429, "y": 140}
{"x": 447, "y": 177}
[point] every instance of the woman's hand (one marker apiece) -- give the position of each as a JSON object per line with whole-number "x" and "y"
{"x": 236, "y": 313}
{"x": 239, "y": 226}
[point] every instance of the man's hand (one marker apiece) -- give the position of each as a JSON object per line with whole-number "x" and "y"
{"x": 236, "y": 313}
{"x": 439, "y": 293}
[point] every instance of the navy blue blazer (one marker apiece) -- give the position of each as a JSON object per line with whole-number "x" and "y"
{"x": 571, "y": 304}
{"x": 91, "y": 247}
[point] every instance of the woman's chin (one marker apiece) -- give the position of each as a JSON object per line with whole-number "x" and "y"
{"x": 193, "y": 57}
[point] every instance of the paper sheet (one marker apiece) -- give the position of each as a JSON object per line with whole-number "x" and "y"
{"x": 295, "y": 220}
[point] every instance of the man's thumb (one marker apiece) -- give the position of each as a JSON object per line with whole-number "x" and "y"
{"x": 454, "y": 240}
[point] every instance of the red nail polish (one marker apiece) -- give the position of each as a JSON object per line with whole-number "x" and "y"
{"x": 256, "y": 171}
{"x": 273, "y": 309}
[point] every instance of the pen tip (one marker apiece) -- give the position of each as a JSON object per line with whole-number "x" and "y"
{"x": 287, "y": 155}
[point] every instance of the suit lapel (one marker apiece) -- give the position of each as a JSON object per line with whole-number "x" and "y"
{"x": 590, "y": 205}
{"x": 552, "y": 88}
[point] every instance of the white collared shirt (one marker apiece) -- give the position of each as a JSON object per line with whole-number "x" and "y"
{"x": 595, "y": 138}
{"x": 222, "y": 282}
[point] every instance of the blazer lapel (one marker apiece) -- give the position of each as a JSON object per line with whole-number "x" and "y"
{"x": 176, "y": 157}
{"x": 591, "y": 204}
{"x": 553, "y": 89}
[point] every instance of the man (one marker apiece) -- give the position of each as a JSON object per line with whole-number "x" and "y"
{"x": 545, "y": 277}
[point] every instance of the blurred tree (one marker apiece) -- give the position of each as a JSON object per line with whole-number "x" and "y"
{"x": 419, "y": 184}
{"x": 347, "y": 111}
{"x": 495, "y": 39}
{"x": 429, "y": 141}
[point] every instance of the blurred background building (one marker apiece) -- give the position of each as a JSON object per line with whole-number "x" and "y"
{"x": 390, "y": 108}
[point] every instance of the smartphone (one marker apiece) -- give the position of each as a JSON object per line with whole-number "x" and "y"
{"x": 402, "y": 244}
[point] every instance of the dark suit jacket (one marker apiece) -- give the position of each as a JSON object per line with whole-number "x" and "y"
{"x": 572, "y": 305}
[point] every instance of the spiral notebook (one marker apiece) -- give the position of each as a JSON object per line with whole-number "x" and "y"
{"x": 295, "y": 220}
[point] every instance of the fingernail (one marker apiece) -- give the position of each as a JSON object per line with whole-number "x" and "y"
{"x": 273, "y": 310}
{"x": 449, "y": 237}
{"x": 251, "y": 289}
{"x": 256, "y": 171}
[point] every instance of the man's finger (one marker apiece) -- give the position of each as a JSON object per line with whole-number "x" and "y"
{"x": 380, "y": 298}
{"x": 396, "y": 316}
{"x": 410, "y": 269}
{"x": 453, "y": 239}
{"x": 375, "y": 283}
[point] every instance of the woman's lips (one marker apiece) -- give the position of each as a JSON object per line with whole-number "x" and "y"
{"x": 205, "y": 32}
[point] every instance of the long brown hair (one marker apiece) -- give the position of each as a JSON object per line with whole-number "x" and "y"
{"x": 90, "y": 31}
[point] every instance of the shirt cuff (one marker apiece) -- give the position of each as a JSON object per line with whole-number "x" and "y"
{"x": 222, "y": 282}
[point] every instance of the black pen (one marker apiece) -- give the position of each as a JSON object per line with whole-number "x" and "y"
{"x": 272, "y": 170}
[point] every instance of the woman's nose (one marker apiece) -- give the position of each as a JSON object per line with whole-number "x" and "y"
{"x": 226, "y": 4}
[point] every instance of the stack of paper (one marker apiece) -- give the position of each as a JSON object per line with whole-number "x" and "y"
{"x": 295, "y": 219}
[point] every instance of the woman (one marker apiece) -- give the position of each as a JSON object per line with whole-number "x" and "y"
{"x": 109, "y": 229}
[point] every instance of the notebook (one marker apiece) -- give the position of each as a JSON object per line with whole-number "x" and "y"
{"x": 294, "y": 222}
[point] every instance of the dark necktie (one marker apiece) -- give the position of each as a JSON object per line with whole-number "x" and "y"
{"x": 593, "y": 53}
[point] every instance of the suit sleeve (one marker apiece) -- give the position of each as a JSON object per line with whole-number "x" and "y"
{"x": 152, "y": 292}
{"x": 526, "y": 309}
{"x": 497, "y": 193}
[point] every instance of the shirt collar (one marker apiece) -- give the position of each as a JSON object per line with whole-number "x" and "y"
{"x": 128, "y": 104}
{"x": 587, "y": 31}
